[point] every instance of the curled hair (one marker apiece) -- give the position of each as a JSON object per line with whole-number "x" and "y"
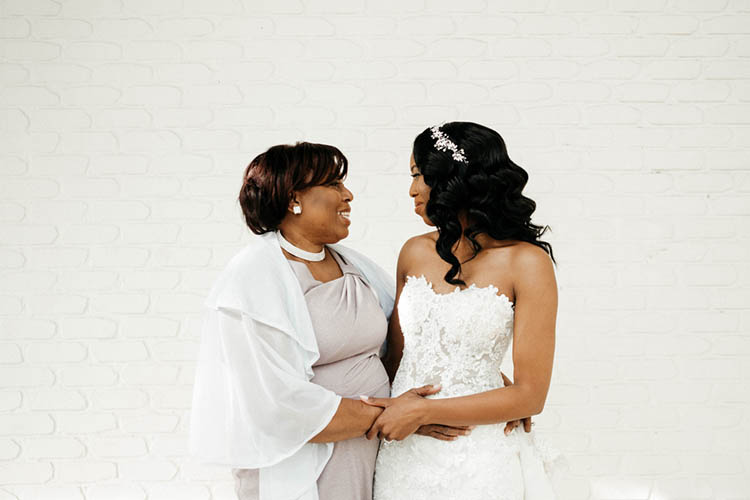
{"x": 487, "y": 189}
{"x": 272, "y": 177}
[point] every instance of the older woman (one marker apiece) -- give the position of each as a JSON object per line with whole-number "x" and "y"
{"x": 291, "y": 340}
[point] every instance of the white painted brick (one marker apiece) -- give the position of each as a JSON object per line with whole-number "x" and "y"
{"x": 727, "y": 25}
{"x": 26, "y": 473}
{"x": 119, "y": 351}
{"x": 10, "y": 305}
{"x": 9, "y": 449}
{"x": 180, "y": 28}
{"x": 10, "y": 400}
{"x": 151, "y": 187}
{"x": 92, "y": 51}
{"x": 25, "y": 376}
{"x": 10, "y": 354}
{"x": 147, "y": 51}
{"x": 199, "y": 51}
{"x": 693, "y": 488}
{"x": 124, "y": 303}
{"x": 87, "y": 234}
{"x": 710, "y": 369}
{"x": 11, "y": 212}
{"x": 184, "y": 72}
{"x": 12, "y": 74}
{"x": 61, "y": 72}
{"x": 146, "y": 8}
{"x": 148, "y": 327}
{"x": 615, "y": 394}
{"x": 87, "y": 280}
{"x": 61, "y": 28}
{"x": 26, "y": 281}
{"x": 710, "y": 321}
{"x": 107, "y": 447}
{"x": 283, "y": 94}
{"x": 152, "y": 95}
{"x": 122, "y": 118}
{"x": 10, "y": 259}
{"x": 29, "y": 95}
{"x": 172, "y": 399}
{"x": 115, "y": 491}
{"x": 15, "y": 234}
{"x": 175, "y": 350}
{"x": 53, "y": 447}
{"x": 515, "y": 92}
{"x": 149, "y": 424}
{"x": 711, "y": 464}
{"x": 65, "y": 352}
{"x": 551, "y": 69}
{"x": 149, "y": 375}
{"x": 650, "y": 464}
{"x": 183, "y": 117}
{"x": 176, "y": 302}
{"x": 90, "y": 95}
{"x": 149, "y": 141}
{"x": 83, "y": 375}
{"x": 612, "y": 114}
{"x": 150, "y": 280}
{"x": 619, "y": 488}
{"x": 85, "y": 471}
{"x": 184, "y": 490}
{"x": 117, "y": 399}
{"x": 23, "y": 424}
{"x": 147, "y": 470}
{"x": 180, "y": 257}
{"x": 419, "y": 115}
{"x": 26, "y": 50}
{"x": 27, "y": 329}
{"x": 667, "y": 114}
{"x": 149, "y": 233}
{"x": 671, "y": 25}
{"x": 640, "y": 47}
{"x": 56, "y": 304}
{"x": 672, "y": 70}
{"x": 119, "y": 257}
{"x": 13, "y": 120}
{"x": 206, "y": 95}
{"x": 56, "y": 399}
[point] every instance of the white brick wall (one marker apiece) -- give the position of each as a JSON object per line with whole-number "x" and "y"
{"x": 124, "y": 129}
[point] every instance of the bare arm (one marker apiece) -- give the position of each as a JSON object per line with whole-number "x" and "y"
{"x": 533, "y": 350}
{"x": 352, "y": 419}
{"x": 395, "y": 339}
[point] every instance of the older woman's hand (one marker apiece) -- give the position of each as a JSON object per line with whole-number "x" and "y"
{"x": 402, "y": 416}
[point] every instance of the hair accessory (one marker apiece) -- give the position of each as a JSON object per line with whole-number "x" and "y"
{"x": 298, "y": 252}
{"x": 296, "y": 209}
{"x": 443, "y": 143}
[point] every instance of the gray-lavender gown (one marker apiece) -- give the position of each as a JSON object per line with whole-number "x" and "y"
{"x": 350, "y": 327}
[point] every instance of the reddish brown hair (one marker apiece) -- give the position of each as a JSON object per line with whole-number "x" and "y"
{"x": 272, "y": 177}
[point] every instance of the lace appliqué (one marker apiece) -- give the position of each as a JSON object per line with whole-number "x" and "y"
{"x": 457, "y": 340}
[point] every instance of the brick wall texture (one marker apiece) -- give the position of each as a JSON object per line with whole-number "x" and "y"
{"x": 124, "y": 129}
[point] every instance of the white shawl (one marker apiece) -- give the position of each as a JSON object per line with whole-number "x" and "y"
{"x": 254, "y": 406}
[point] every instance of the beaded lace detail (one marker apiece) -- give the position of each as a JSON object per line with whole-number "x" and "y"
{"x": 457, "y": 340}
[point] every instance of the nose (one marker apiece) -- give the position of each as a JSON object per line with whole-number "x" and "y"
{"x": 413, "y": 188}
{"x": 347, "y": 195}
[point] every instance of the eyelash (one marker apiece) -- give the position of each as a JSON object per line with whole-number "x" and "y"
{"x": 414, "y": 176}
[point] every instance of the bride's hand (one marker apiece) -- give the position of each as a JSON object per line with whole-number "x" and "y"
{"x": 515, "y": 423}
{"x": 401, "y": 416}
{"x": 444, "y": 432}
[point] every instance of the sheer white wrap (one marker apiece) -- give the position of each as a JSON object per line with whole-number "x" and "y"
{"x": 254, "y": 406}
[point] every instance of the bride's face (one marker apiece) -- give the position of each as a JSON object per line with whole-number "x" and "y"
{"x": 419, "y": 191}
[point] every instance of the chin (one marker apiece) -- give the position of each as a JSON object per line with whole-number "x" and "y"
{"x": 427, "y": 221}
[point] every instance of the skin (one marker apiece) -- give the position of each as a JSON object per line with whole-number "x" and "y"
{"x": 521, "y": 271}
{"x": 320, "y": 223}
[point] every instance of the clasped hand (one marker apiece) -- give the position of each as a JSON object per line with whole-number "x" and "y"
{"x": 405, "y": 415}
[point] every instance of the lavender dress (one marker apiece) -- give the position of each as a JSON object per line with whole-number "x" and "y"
{"x": 350, "y": 327}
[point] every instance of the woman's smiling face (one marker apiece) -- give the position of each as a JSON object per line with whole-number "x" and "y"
{"x": 325, "y": 211}
{"x": 420, "y": 191}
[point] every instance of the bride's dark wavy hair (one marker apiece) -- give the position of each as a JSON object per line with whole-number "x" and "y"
{"x": 487, "y": 188}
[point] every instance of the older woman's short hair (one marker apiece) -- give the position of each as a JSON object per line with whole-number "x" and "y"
{"x": 272, "y": 177}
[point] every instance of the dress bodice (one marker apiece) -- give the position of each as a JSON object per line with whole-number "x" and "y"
{"x": 457, "y": 339}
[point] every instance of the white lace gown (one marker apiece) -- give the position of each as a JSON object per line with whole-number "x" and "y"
{"x": 459, "y": 340}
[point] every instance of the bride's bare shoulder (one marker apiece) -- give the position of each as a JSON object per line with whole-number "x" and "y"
{"x": 420, "y": 245}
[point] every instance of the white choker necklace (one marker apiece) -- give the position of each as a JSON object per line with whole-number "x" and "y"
{"x": 298, "y": 252}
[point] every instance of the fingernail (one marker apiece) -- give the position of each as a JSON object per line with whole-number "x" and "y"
{"x": 507, "y": 431}
{"x": 363, "y": 398}
{"x": 472, "y": 427}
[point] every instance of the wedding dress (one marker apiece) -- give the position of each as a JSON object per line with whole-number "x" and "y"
{"x": 458, "y": 340}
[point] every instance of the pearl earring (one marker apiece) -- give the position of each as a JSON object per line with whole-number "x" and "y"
{"x": 296, "y": 210}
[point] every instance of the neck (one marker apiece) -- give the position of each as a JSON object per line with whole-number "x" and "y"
{"x": 300, "y": 241}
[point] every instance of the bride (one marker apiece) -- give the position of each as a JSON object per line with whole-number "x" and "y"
{"x": 463, "y": 292}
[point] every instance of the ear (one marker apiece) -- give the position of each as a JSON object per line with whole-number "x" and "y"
{"x": 293, "y": 202}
